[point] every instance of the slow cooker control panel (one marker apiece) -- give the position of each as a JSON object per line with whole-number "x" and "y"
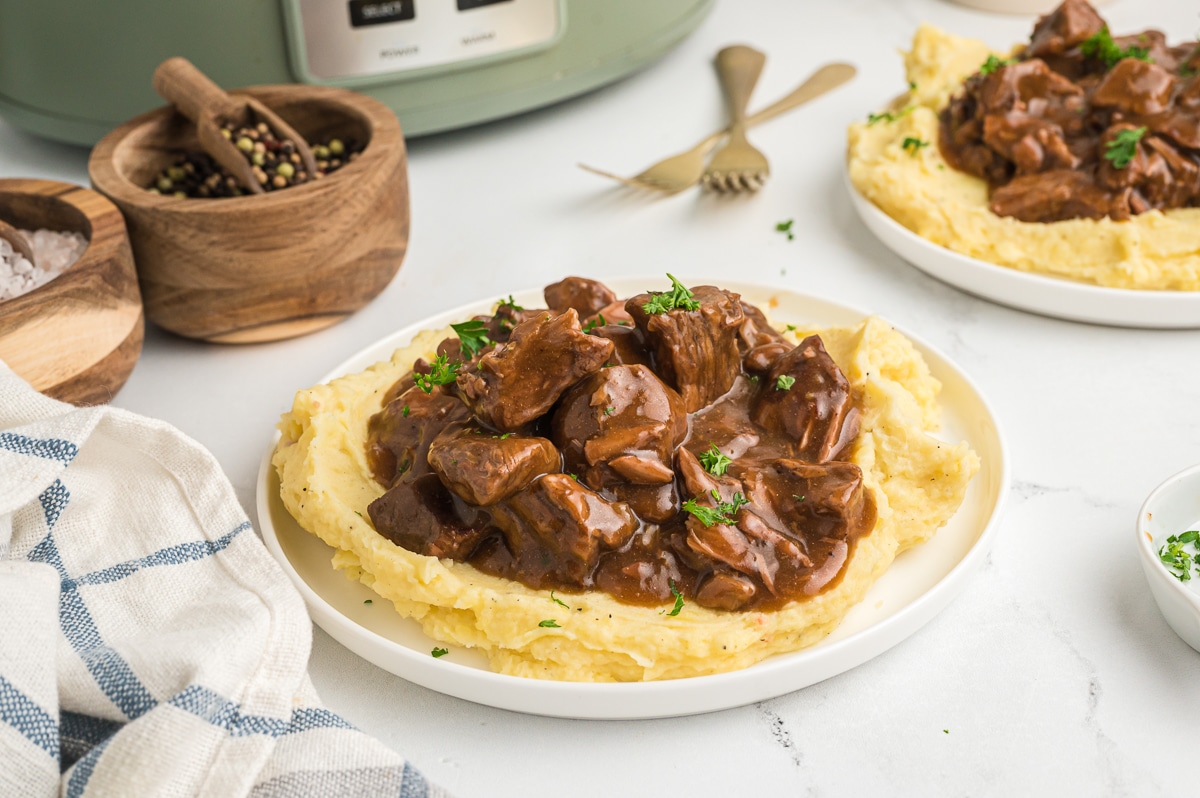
{"x": 352, "y": 41}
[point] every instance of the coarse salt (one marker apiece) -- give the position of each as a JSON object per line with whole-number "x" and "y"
{"x": 53, "y": 254}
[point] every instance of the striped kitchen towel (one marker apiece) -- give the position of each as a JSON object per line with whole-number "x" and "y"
{"x": 149, "y": 645}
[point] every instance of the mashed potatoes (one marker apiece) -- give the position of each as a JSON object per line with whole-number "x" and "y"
{"x": 917, "y": 481}
{"x": 918, "y": 189}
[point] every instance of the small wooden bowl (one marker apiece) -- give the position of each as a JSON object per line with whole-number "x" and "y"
{"x": 77, "y": 337}
{"x": 269, "y": 266}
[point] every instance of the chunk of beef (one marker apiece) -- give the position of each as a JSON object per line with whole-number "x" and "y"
{"x": 507, "y": 318}
{"x": 725, "y": 590}
{"x": 1158, "y": 176}
{"x": 398, "y": 436}
{"x": 761, "y": 343}
{"x": 483, "y": 468}
{"x": 747, "y": 543}
{"x": 696, "y": 351}
{"x": 557, "y": 528}
{"x": 818, "y": 508}
{"x": 816, "y": 409}
{"x": 613, "y": 313}
{"x": 629, "y": 345}
{"x": 520, "y": 380}
{"x": 1067, "y": 27}
{"x": 1136, "y": 88}
{"x": 418, "y": 513}
{"x": 585, "y": 296}
{"x": 617, "y": 429}
{"x": 1031, "y": 143}
{"x": 1051, "y": 196}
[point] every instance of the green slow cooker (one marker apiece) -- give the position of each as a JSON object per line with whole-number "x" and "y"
{"x": 72, "y": 71}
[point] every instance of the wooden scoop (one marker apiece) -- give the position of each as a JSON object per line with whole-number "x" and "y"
{"x": 19, "y": 243}
{"x": 180, "y": 83}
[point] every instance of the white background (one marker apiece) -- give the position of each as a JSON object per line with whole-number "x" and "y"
{"x": 1052, "y": 674}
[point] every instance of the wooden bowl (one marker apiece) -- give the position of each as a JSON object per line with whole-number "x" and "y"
{"x": 269, "y": 266}
{"x": 77, "y": 337}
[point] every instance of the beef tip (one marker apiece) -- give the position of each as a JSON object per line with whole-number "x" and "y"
{"x": 613, "y": 314}
{"x": 816, "y": 409}
{"x": 629, "y": 345}
{"x": 755, "y": 329}
{"x": 1051, "y": 196}
{"x": 483, "y": 468}
{"x": 1031, "y": 143}
{"x": 1158, "y": 176}
{"x": 507, "y": 318}
{"x": 1135, "y": 87}
{"x": 747, "y": 543}
{"x": 818, "y": 508}
{"x": 585, "y": 296}
{"x": 617, "y": 429}
{"x": 696, "y": 351}
{"x": 1067, "y": 27}
{"x": 520, "y": 380}
{"x": 761, "y": 343}
{"x": 557, "y": 528}
{"x": 418, "y": 513}
{"x": 725, "y": 590}
{"x": 398, "y": 436}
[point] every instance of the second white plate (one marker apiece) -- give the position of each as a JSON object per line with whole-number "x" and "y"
{"x": 1048, "y": 296}
{"x": 920, "y": 583}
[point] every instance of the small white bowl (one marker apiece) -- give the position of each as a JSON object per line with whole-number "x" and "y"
{"x": 1173, "y": 507}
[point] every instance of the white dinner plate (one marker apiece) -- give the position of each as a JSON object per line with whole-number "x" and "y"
{"x": 920, "y": 583}
{"x": 1049, "y": 296}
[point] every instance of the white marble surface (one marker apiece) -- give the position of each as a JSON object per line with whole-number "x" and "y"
{"x": 1052, "y": 674}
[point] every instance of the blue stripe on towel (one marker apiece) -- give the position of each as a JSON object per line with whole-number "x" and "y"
{"x": 48, "y": 448}
{"x": 82, "y": 772}
{"x": 79, "y": 733}
{"x": 23, "y": 714}
{"x": 172, "y": 555}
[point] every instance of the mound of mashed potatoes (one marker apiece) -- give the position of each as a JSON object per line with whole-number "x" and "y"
{"x": 917, "y": 188}
{"x": 916, "y": 480}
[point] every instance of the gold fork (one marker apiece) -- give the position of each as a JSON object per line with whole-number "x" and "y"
{"x": 682, "y": 171}
{"x": 737, "y": 166}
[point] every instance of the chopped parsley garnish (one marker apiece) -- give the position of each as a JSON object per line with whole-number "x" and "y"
{"x": 678, "y": 297}
{"x": 912, "y": 85}
{"x": 678, "y": 598}
{"x": 1179, "y": 561}
{"x": 368, "y": 601}
{"x": 558, "y": 601}
{"x": 913, "y": 145}
{"x": 714, "y": 461}
{"x": 473, "y": 335}
{"x": 549, "y": 624}
{"x": 594, "y": 323}
{"x": 785, "y": 382}
{"x": 723, "y": 513}
{"x": 508, "y": 303}
{"x": 608, "y": 411}
{"x": 1102, "y": 47}
{"x": 797, "y": 498}
{"x": 1122, "y": 149}
{"x": 441, "y": 372}
{"x": 993, "y": 63}
{"x": 574, "y": 477}
{"x": 356, "y": 512}
{"x": 888, "y": 116}
{"x": 785, "y": 227}
{"x": 404, "y": 411}
{"x": 439, "y": 652}
{"x": 790, "y": 328}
